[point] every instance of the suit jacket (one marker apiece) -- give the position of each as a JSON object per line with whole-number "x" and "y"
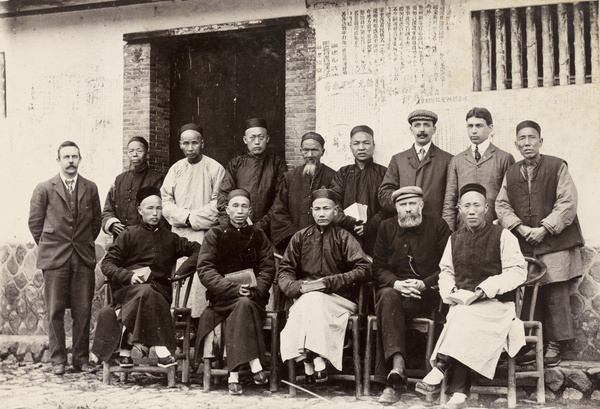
{"x": 53, "y": 228}
{"x": 488, "y": 172}
{"x": 430, "y": 174}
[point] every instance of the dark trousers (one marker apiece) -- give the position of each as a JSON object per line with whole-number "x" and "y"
{"x": 553, "y": 309}
{"x": 70, "y": 286}
{"x": 458, "y": 374}
{"x": 393, "y": 310}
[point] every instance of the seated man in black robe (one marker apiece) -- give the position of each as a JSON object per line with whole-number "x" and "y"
{"x": 139, "y": 265}
{"x": 226, "y": 252}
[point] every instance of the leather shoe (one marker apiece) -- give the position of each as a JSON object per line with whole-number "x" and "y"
{"x": 260, "y": 378}
{"x": 397, "y": 378}
{"x": 125, "y": 362}
{"x": 235, "y": 388}
{"x": 389, "y": 396}
{"x": 167, "y": 361}
{"x": 321, "y": 376}
{"x": 58, "y": 369}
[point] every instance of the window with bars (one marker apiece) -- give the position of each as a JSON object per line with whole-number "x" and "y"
{"x": 538, "y": 46}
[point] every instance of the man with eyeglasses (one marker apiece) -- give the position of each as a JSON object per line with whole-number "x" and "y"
{"x": 259, "y": 172}
{"x": 406, "y": 260}
{"x": 292, "y": 209}
{"x": 120, "y": 208}
{"x": 189, "y": 196}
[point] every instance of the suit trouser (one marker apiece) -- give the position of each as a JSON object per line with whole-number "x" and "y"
{"x": 70, "y": 286}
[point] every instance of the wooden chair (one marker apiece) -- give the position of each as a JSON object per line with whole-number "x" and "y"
{"x": 182, "y": 323}
{"x": 425, "y": 326}
{"x": 354, "y": 325}
{"x": 533, "y": 335}
{"x": 271, "y": 323}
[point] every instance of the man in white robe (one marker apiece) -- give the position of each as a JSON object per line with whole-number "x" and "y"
{"x": 189, "y": 194}
{"x": 484, "y": 261}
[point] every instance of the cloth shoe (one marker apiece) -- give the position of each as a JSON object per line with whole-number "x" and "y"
{"x": 235, "y": 388}
{"x": 85, "y": 367}
{"x": 552, "y": 355}
{"x": 321, "y": 376}
{"x": 260, "y": 378}
{"x": 389, "y": 396}
{"x": 526, "y": 359}
{"x": 457, "y": 401}
{"x": 397, "y": 378}
{"x": 167, "y": 361}
{"x": 58, "y": 369}
{"x": 125, "y": 362}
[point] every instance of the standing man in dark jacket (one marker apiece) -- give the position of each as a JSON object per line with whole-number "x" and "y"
{"x": 482, "y": 163}
{"x": 405, "y": 267}
{"x": 424, "y": 165}
{"x": 259, "y": 172}
{"x": 64, "y": 220}
{"x": 120, "y": 208}
{"x": 359, "y": 183}
{"x": 538, "y": 203}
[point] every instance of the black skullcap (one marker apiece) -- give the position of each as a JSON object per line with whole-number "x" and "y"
{"x": 529, "y": 124}
{"x": 315, "y": 136}
{"x": 361, "y": 128}
{"x": 472, "y": 187}
{"x": 256, "y": 123}
{"x": 407, "y": 192}
{"x": 146, "y": 192}
{"x": 422, "y": 115}
{"x": 323, "y": 193}
{"x": 143, "y": 141}
{"x": 192, "y": 127}
{"x": 238, "y": 192}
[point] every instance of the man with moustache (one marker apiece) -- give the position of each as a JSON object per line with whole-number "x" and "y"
{"x": 330, "y": 257}
{"x": 291, "y": 211}
{"x": 189, "y": 194}
{"x": 64, "y": 220}
{"x": 405, "y": 268}
{"x": 424, "y": 165}
{"x": 138, "y": 266}
{"x": 538, "y": 203}
{"x": 259, "y": 171}
{"x": 359, "y": 183}
{"x": 120, "y": 208}
{"x": 483, "y": 260}
{"x": 241, "y": 307}
{"x": 482, "y": 163}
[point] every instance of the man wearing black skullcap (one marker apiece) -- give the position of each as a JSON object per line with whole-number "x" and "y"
{"x": 291, "y": 211}
{"x": 120, "y": 208}
{"x": 259, "y": 171}
{"x": 225, "y": 251}
{"x": 138, "y": 266}
{"x": 424, "y": 165}
{"x": 482, "y": 163}
{"x": 359, "y": 183}
{"x": 538, "y": 203}
{"x": 328, "y": 257}
{"x": 482, "y": 261}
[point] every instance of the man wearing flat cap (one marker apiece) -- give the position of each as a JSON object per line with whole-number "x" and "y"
{"x": 228, "y": 252}
{"x": 483, "y": 262}
{"x": 320, "y": 269}
{"x": 482, "y": 163}
{"x": 405, "y": 268}
{"x": 120, "y": 208}
{"x": 291, "y": 211}
{"x": 259, "y": 171}
{"x": 359, "y": 183}
{"x": 138, "y": 266}
{"x": 189, "y": 193}
{"x": 538, "y": 203}
{"x": 424, "y": 165}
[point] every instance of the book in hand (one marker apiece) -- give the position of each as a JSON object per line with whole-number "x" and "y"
{"x": 142, "y": 272}
{"x": 358, "y": 211}
{"x": 313, "y": 285}
{"x": 245, "y": 276}
{"x": 464, "y": 297}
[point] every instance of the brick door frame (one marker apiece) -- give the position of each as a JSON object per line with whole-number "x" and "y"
{"x": 147, "y": 84}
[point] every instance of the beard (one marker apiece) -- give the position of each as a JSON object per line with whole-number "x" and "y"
{"x": 310, "y": 169}
{"x": 409, "y": 220}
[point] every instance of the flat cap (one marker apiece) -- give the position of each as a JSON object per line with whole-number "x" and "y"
{"x": 472, "y": 187}
{"x": 323, "y": 193}
{"x": 407, "y": 192}
{"x": 238, "y": 192}
{"x": 191, "y": 127}
{"x": 315, "y": 136}
{"x": 529, "y": 124}
{"x": 145, "y": 192}
{"x": 256, "y": 123}
{"x": 422, "y": 115}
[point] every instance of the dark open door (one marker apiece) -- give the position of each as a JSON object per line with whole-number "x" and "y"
{"x": 221, "y": 80}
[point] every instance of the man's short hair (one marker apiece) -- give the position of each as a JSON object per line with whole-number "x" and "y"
{"x": 66, "y": 144}
{"x": 482, "y": 113}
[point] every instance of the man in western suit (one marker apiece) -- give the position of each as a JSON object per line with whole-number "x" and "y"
{"x": 65, "y": 219}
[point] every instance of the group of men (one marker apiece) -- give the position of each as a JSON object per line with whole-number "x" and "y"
{"x": 434, "y": 224}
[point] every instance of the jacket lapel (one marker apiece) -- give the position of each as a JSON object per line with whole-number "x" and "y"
{"x": 59, "y": 188}
{"x": 488, "y": 154}
{"x": 428, "y": 157}
{"x": 413, "y": 159}
{"x": 81, "y": 189}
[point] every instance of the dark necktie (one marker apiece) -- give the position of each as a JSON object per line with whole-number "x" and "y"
{"x": 477, "y": 154}
{"x": 70, "y": 186}
{"x": 421, "y": 154}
